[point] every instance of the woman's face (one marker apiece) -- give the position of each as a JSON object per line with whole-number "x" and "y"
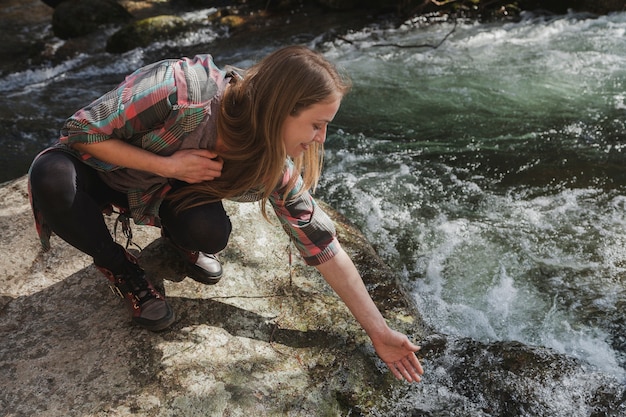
{"x": 309, "y": 126}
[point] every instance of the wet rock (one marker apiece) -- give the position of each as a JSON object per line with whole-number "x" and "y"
{"x": 145, "y": 32}
{"x": 233, "y": 20}
{"x": 563, "y": 6}
{"x": 19, "y": 49}
{"x": 52, "y": 3}
{"x": 73, "y": 18}
{"x": 508, "y": 378}
{"x": 354, "y": 4}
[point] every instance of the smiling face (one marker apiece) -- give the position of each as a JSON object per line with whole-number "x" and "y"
{"x": 308, "y": 126}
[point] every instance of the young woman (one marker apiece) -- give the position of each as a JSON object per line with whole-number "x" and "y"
{"x": 175, "y": 139}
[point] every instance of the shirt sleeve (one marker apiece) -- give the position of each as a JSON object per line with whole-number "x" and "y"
{"x": 137, "y": 110}
{"x": 308, "y": 226}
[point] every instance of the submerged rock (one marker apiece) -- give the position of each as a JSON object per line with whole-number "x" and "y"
{"x": 468, "y": 378}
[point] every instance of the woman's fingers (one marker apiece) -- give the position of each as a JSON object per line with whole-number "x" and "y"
{"x": 197, "y": 165}
{"x": 407, "y": 368}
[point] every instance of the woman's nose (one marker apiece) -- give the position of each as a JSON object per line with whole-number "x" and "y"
{"x": 321, "y": 136}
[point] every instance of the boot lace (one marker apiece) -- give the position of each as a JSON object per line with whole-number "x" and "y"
{"x": 133, "y": 280}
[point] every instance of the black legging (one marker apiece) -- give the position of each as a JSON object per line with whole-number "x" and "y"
{"x": 71, "y": 196}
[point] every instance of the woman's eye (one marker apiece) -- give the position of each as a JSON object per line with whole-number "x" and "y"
{"x": 317, "y": 127}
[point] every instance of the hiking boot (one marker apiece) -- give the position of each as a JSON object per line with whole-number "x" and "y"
{"x": 147, "y": 306}
{"x": 204, "y": 268}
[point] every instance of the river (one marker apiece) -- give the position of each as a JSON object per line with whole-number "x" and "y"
{"x": 487, "y": 166}
{"x": 490, "y": 171}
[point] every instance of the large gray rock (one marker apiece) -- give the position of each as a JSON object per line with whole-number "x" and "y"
{"x": 269, "y": 339}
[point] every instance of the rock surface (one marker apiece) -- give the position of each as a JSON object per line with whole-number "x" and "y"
{"x": 144, "y": 32}
{"x": 270, "y": 339}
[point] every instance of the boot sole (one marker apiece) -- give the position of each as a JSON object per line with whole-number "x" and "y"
{"x": 157, "y": 326}
{"x": 200, "y": 275}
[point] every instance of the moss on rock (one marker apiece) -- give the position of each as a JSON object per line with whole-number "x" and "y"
{"x": 144, "y": 32}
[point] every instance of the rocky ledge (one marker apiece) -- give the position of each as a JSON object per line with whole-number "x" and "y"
{"x": 270, "y": 339}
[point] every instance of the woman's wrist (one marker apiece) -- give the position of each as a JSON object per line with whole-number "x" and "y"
{"x": 378, "y": 332}
{"x": 163, "y": 166}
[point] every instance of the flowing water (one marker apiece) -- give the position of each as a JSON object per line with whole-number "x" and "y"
{"x": 489, "y": 171}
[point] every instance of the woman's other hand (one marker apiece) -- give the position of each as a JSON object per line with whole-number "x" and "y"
{"x": 194, "y": 165}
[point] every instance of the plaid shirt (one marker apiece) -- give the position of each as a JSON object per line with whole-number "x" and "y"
{"x": 155, "y": 108}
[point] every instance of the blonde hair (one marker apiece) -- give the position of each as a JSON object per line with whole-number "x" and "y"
{"x": 252, "y": 113}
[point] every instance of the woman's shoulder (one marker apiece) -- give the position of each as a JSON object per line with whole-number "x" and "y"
{"x": 203, "y": 80}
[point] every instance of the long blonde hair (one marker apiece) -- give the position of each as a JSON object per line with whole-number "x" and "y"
{"x": 252, "y": 113}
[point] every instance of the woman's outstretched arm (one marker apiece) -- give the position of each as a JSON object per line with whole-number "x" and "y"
{"x": 394, "y": 348}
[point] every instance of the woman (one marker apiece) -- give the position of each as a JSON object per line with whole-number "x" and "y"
{"x": 175, "y": 139}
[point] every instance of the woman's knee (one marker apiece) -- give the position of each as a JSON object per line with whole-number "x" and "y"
{"x": 53, "y": 181}
{"x": 210, "y": 236}
{"x": 205, "y": 228}
{"x": 220, "y": 234}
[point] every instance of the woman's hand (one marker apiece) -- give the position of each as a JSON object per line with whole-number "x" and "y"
{"x": 194, "y": 165}
{"x": 398, "y": 353}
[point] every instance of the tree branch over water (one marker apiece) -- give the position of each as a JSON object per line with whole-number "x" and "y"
{"x": 421, "y": 45}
